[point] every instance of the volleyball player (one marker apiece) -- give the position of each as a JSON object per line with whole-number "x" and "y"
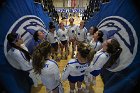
{"x": 97, "y": 40}
{"x": 90, "y": 33}
{"x": 106, "y": 57}
{"x": 63, "y": 37}
{"x": 75, "y": 69}
{"x": 72, "y": 34}
{"x": 47, "y": 68}
{"x": 20, "y": 57}
{"x": 81, "y": 33}
{"x": 53, "y": 39}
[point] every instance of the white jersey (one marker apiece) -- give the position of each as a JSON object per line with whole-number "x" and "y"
{"x": 52, "y": 37}
{"x": 74, "y": 68}
{"x": 63, "y": 35}
{"x": 72, "y": 31}
{"x": 100, "y": 58}
{"x": 81, "y": 34}
{"x": 95, "y": 45}
{"x": 89, "y": 37}
{"x": 50, "y": 75}
{"x": 18, "y": 59}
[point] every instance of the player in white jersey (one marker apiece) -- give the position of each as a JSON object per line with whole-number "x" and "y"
{"x": 63, "y": 37}
{"x": 81, "y": 33}
{"x": 106, "y": 57}
{"x": 91, "y": 32}
{"x": 97, "y": 40}
{"x": 38, "y": 36}
{"x": 72, "y": 34}
{"x": 75, "y": 69}
{"x": 20, "y": 57}
{"x": 96, "y": 44}
{"x": 53, "y": 39}
{"x": 48, "y": 69}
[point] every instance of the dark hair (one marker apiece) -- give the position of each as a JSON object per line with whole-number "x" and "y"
{"x": 39, "y": 56}
{"x": 35, "y": 36}
{"x": 86, "y": 51}
{"x": 100, "y": 34}
{"x": 12, "y": 37}
{"x": 51, "y": 25}
{"x": 114, "y": 50}
{"x": 95, "y": 28}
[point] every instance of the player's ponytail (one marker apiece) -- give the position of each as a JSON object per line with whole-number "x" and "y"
{"x": 100, "y": 34}
{"x": 39, "y": 56}
{"x": 114, "y": 50}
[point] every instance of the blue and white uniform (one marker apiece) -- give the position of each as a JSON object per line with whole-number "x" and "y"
{"x": 74, "y": 71}
{"x": 52, "y": 37}
{"x": 89, "y": 37}
{"x": 95, "y": 45}
{"x": 81, "y": 34}
{"x": 50, "y": 75}
{"x": 72, "y": 31}
{"x": 19, "y": 61}
{"x": 100, "y": 58}
{"x": 63, "y": 35}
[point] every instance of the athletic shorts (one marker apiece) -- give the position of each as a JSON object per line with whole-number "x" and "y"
{"x": 55, "y": 46}
{"x": 64, "y": 42}
{"x": 74, "y": 79}
{"x": 95, "y": 72}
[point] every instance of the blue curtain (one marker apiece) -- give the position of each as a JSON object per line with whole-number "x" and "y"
{"x": 16, "y": 81}
{"x": 120, "y": 16}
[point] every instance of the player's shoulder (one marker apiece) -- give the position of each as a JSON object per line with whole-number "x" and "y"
{"x": 72, "y": 62}
{"x": 53, "y": 62}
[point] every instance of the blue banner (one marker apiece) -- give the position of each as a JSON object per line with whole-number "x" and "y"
{"x": 121, "y": 19}
{"x": 18, "y": 16}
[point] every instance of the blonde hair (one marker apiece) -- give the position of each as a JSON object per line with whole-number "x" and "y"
{"x": 86, "y": 51}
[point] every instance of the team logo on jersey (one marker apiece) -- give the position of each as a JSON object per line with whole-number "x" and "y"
{"x": 25, "y": 26}
{"x": 123, "y": 31}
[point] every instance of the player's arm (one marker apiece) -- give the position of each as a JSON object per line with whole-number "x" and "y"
{"x": 66, "y": 72}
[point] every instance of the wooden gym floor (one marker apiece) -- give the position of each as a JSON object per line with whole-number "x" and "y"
{"x": 99, "y": 84}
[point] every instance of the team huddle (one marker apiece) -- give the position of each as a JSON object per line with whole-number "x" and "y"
{"x": 93, "y": 53}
